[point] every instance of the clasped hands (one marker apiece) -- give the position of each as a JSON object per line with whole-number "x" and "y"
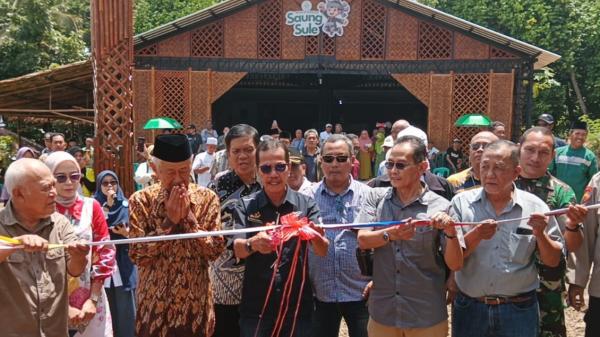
{"x": 177, "y": 204}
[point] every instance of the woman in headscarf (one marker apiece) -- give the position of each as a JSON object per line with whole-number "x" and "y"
{"x": 120, "y": 287}
{"x": 379, "y": 152}
{"x": 89, "y": 314}
{"x": 24, "y": 152}
{"x": 364, "y": 155}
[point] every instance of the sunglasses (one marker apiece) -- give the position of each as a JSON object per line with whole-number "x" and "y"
{"x": 62, "y": 178}
{"x": 329, "y": 159}
{"x": 109, "y": 183}
{"x": 279, "y": 168}
{"x": 477, "y": 146}
{"x": 399, "y": 166}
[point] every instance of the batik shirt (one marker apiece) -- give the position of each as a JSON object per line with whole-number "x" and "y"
{"x": 174, "y": 295}
{"x": 551, "y": 293}
{"x": 464, "y": 181}
{"x": 227, "y": 272}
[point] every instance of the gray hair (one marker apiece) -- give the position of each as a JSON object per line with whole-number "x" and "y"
{"x": 17, "y": 172}
{"x": 418, "y": 146}
{"x": 309, "y": 131}
{"x": 339, "y": 138}
{"x": 505, "y": 144}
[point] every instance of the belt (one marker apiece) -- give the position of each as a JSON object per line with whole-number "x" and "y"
{"x": 497, "y": 300}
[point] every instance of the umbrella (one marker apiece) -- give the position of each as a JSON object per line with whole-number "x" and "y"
{"x": 473, "y": 120}
{"x": 162, "y": 123}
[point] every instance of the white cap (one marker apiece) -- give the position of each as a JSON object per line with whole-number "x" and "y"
{"x": 413, "y": 131}
{"x": 211, "y": 141}
{"x": 388, "y": 142}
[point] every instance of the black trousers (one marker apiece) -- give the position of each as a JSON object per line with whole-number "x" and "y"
{"x": 227, "y": 320}
{"x": 592, "y": 318}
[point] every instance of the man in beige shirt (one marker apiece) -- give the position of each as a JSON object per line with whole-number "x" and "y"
{"x": 33, "y": 283}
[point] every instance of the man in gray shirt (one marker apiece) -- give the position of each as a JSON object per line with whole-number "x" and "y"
{"x": 498, "y": 281}
{"x": 408, "y": 294}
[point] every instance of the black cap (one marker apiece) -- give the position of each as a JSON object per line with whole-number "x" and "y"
{"x": 72, "y": 151}
{"x": 285, "y": 134}
{"x": 546, "y": 118}
{"x": 274, "y": 132}
{"x": 173, "y": 148}
{"x": 579, "y": 125}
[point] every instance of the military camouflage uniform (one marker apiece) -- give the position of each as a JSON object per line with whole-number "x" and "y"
{"x": 552, "y": 292}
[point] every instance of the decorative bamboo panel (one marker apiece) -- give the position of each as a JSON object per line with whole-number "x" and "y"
{"x": 292, "y": 47}
{"x": 208, "y": 41}
{"x": 435, "y": 42}
{"x": 147, "y": 51}
{"x": 221, "y": 83}
{"x": 269, "y": 29}
{"x": 440, "y": 108}
{"x": 468, "y": 48}
{"x": 173, "y": 95}
{"x": 497, "y": 53}
{"x": 402, "y": 37}
{"x": 240, "y": 34}
{"x": 417, "y": 84}
{"x": 502, "y": 99}
{"x": 178, "y": 45}
{"x": 471, "y": 94}
{"x": 348, "y": 45}
{"x": 372, "y": 39}
{"x": 142, "y": 102}
{"x": 200, "y": 95}
{"x": 112, "y": 56}
{"x": 327, "y": 45}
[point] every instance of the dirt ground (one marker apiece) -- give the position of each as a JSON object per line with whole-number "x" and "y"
{"x": 575, "y": 324}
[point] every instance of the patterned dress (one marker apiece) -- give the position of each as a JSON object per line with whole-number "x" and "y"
{"x": 174, "y": 295}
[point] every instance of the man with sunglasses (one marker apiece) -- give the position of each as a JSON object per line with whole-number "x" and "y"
{"x": 336, "y": 278}
{"x": 408, "y": 294}
{"x": 469, "y": 178}
{"x": 275, "y": 199}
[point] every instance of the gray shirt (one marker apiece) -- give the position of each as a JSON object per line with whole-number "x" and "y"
{"x": 503, "y": 265}
{"x": 408, "y": 275}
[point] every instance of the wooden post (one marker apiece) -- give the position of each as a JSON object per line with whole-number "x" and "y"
{"x": 112, "y": 59}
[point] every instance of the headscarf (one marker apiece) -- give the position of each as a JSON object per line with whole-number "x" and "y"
{"x": 119, "y": 212}
{"x": 363, "y": 141}
{"x": 4, "y": 196}
{"x": 53, "y": 161}
{"x": 380, "y": 136}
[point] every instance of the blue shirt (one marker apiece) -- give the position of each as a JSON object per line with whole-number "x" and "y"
{"x": 336, "y": 276}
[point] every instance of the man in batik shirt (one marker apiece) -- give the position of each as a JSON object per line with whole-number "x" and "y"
{"x": 174, "y": 296}
{"x": 536, "y": 153}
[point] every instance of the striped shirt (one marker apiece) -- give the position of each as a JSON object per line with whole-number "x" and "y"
{"x": 336, "y": 276}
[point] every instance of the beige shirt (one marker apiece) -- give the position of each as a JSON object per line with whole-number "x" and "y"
{"x": 586, "y": 260}
{"x": 33, "y": 286}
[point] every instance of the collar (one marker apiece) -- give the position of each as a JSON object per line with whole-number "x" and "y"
{"x": 290, "y": 197}
{"x": 517, "y": 197}
{"x": 423, "y": 198}
{"x": 324, "y": 189}
{"x": 543, "y": 181}
{"x": 305, "y": 152}
{"x": 8, "y": 217}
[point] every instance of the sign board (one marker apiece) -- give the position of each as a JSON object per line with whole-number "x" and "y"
{"x": 330, "y": 18}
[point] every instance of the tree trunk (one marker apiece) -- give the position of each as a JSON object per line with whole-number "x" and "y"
{"x": 578, "y": 92}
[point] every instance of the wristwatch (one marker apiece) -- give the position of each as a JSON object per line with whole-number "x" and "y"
{"x": 386, "y": 236}
{"x": 575, "y": 229}
{"x": 249, "y": 247}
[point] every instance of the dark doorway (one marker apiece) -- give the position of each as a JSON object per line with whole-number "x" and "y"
{"x": 303, "y": 101}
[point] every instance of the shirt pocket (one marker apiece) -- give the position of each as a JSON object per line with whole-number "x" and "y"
{"x": 521, "y": 248}
{"x": 421, "y": 248}
{"x": 16, "y": 257}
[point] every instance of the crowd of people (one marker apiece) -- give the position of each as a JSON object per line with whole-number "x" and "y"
{"x": 479, "y": 239}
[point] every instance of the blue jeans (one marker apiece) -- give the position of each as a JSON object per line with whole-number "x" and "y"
{"x": 328, "y": 316}
{"x": 122, "y": 310}
{"x": 471, "y": 318}
{"x": 248, "y": 327}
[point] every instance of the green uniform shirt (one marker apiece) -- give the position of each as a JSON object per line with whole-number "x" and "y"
{"x": 575, "y": 167}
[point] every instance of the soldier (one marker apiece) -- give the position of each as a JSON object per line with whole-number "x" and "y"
{"x": 536, "y": 153}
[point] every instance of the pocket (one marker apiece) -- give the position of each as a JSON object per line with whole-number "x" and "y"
{"x": 16, "y": 257}
{"x": 462, "y": 302}
{"x": 521, "y": 248}
{"x": 525, "y": 305}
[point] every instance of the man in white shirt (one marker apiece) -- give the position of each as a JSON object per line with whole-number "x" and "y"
{"x": 203, "y": 162}
{"x": 325, "y": 134}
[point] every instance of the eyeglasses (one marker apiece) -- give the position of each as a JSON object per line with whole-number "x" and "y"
{"x": 399, "y": 166}
{"x": 109, "y": 183}
{"x": 62, "y": 178}
{"x": 329, "y": 159}
{"x": 279, "y": 168}
{"x": 477, "y": 146}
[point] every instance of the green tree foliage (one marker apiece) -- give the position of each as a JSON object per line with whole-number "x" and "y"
{"x": 153, "y": 13}
{"x": 35, "y": 34}
{"x": 570, "y": 28}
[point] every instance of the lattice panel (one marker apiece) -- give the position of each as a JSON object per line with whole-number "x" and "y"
{"x": 502, "y": 99}
{"x": 312, "y": 45}
{"x": 208, "y": 41}
{"x": 435, "y": 43}
{"x": 142, "y": 95}
{"x": 269, "y": 29}
{"x": 176, "y": 46}
{"x": 402, "y": 36}
{"x": 149, "y": 50}
{"x": 222, "y": 82}
{"x": 497, "y": 53}
{"x": 327, "y": 45}
{"x": 373, "y": 31}
{"x": 468, "y": 48}
{"x": 348, "y": 45}
{"x": 172, "y": 96}
{"x": 471, "y": 94}
{"x": 416, "y": 84}
{"x": 199, "y": 89}
{"x": 440, "y": 108}
{"x": 240, "y": 34}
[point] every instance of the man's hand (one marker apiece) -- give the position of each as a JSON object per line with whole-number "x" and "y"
{"x": 110, "y": 197}
{"x": 88, "y": 310}
{"x": 261, "y": 243}
{"x": 367, "y": 290}
{"x": 402, "y": 232}
{"x": 317, "y": 229}
{"x": 78, "y": 251}
{"x": 173, "y": 204}
{"x": 487, "y": 229}
{"x": 576, "y": 299}
{"x": 538, "y": 223}
{"x": 575, "y": 215}
{"x": 443, "y": 221}
{"x": 120, "y": 229}
{"x": 33, "y": 243}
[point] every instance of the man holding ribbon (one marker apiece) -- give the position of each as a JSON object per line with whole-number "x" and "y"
{"x": 277, "y": 299}
{"x": 33, "y": 278}
{"x": 174, "y": 295}
{"x": 408, "y": 294}
{"x": 497, "y": 285}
